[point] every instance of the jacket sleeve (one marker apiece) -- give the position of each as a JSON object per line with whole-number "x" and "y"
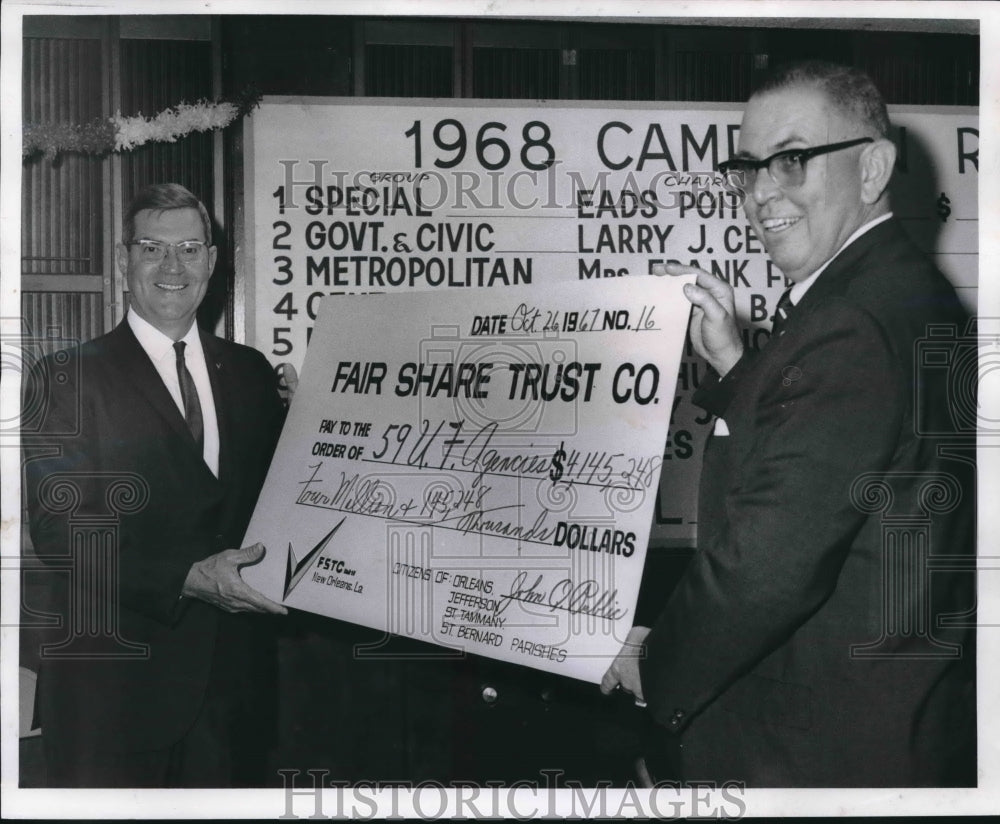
{"x": 715, "y": 394}
{"x": 56, "y": 467}
{"x": 78, "y": 504}
{"x": 661, "y": 571}
{"x": 831, "y": 411}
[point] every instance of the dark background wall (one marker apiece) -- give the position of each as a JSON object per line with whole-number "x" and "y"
{"x": 354, "y": 703}
{"x": 575, "y": 61}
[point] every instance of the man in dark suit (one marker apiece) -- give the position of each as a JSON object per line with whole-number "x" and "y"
{"x": 156, "y": 441}
{"x": 821, "y": 635}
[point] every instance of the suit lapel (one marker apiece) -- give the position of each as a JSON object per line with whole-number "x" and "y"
{"x": 220, "y": 374}
{"x": 137, "y": 371}
{"x": 833, "y": 281}
{"x": 140, "y": 373}
{"x": 845, "y": 265}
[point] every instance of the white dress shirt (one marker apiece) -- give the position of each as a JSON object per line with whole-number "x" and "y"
{"x": 160, "y": 350}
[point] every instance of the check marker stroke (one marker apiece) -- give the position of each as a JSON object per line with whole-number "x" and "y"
{"x": 295, "y": 571}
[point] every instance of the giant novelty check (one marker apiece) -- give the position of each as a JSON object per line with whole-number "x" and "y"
{"x": 478, "y": 469}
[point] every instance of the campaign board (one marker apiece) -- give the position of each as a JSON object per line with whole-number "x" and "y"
{"x": 355, "y": 195}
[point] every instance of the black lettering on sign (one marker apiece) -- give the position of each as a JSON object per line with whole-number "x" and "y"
{"x": 967, "y": 136}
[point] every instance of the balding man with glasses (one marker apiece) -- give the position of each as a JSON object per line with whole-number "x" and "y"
{"x": 821, "y": 635}
{"x": 156, "y": 440}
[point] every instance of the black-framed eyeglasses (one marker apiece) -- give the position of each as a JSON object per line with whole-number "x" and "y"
{"x": 155, "y": 251}
{"x": 786, "y": 168}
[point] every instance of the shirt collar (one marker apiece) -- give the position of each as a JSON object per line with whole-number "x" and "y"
{"x": 798, "y": 290}
{"x": 155, "y": 343}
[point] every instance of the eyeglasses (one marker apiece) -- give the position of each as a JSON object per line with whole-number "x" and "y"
{"x": 155, "y": 251}
{"x": 787, "y": 169}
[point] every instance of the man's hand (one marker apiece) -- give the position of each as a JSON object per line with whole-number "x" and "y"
{"x": 714, "y": 333}
{"x": 288, "y": 382}
{"x": 217, "y": 581}
{"x": 624, "y": 670}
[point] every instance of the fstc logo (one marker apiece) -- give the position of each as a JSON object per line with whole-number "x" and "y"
{"x": 295, "y": 571}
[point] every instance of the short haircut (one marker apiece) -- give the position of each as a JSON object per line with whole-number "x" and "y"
{"x": 160, "y": 197}
{"x": 849, "y": 89}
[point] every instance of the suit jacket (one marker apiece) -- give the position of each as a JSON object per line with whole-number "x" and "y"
{"x": 809, "y": 641}
{"x": 121, "y": 506}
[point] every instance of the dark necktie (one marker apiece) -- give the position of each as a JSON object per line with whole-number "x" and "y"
{"x": 189, "y": 395}
{"x": 785, "y": 308}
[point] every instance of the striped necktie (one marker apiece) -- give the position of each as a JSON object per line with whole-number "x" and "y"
{"x": 785, "y": 308}
{"x": 189, "y": 396}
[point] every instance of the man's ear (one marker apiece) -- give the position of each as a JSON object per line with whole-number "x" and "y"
{"x": 121, "y": 255}
{"x": 877, "y": 162}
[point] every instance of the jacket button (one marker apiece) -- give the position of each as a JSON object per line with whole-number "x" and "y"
{"x": 490, "y": 695}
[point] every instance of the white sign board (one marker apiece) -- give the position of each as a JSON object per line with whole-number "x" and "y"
{"x": 478, "y": 472}
{"x": 373, "y": 195}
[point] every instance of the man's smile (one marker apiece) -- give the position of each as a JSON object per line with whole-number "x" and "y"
{"x": 774, "y": 225}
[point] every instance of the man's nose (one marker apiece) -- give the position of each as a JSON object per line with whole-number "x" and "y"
{"x": 171, "y": 260}
{"x": 764, "y": 187}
